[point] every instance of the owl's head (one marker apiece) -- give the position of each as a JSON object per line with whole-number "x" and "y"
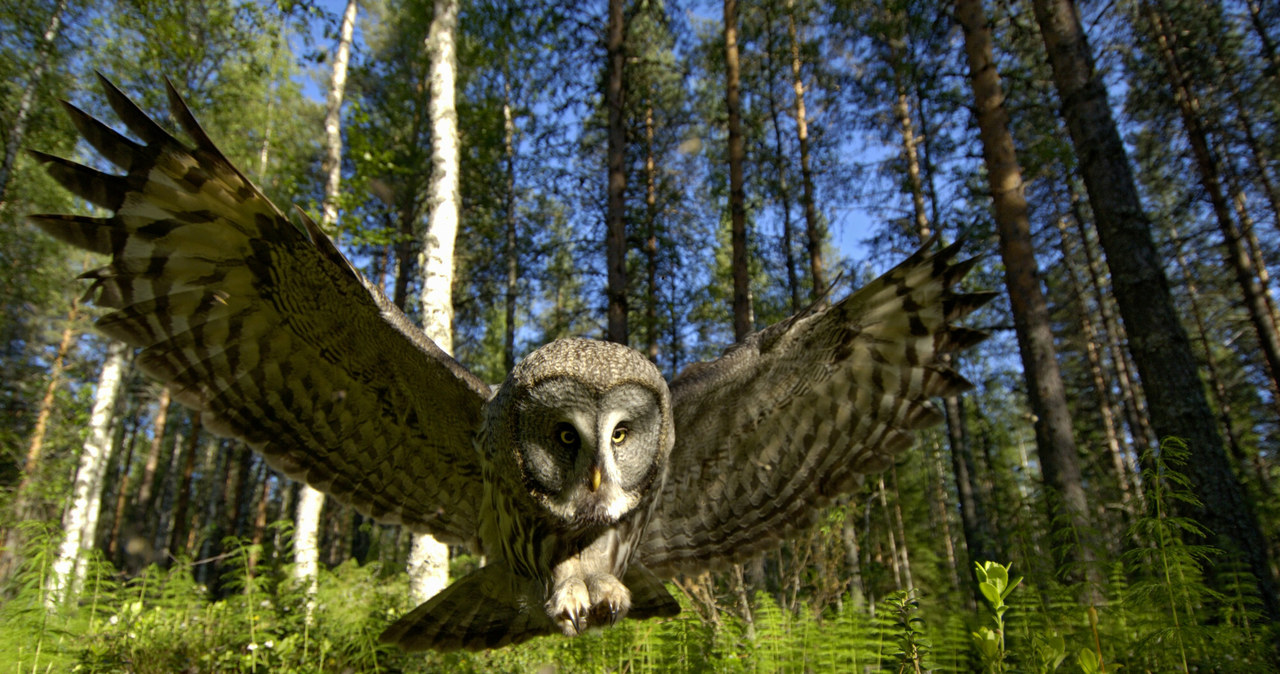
{"x": 586, "y": 426}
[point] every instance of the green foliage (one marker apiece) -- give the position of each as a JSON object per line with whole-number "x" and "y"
{"x": 996, "y": 586}
{"x": 913, "y": 647}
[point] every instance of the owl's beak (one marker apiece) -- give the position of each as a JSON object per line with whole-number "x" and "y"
{"x": 595, "y": 478}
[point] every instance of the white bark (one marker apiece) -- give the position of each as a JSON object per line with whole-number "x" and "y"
{"x": 306, "y": 549}
{"x": 306, "y": 537}
{"x": 81, "y": 517}
{"x": 333, "y": 117}
{"x": 429, "y": 559}
{"x": 436, "y": 259}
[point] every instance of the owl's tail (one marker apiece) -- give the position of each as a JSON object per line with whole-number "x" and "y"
{"x": 491, "y": 607}
{"x": 487, "y": 608}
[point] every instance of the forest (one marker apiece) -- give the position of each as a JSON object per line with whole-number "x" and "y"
{"x": 673, "y": 176}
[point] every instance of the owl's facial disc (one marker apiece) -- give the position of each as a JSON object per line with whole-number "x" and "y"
{"x": 593, "y": 455}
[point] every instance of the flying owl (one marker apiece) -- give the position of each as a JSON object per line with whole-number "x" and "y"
{"x": 585, "y": 478}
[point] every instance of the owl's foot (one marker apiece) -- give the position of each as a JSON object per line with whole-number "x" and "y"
{"x": 569, "y": 605}
{"x": 610, "y": 600}
{"x": 576, "y": 605}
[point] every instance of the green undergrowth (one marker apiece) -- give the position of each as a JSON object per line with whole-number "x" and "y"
{"x": 1156, "y": 613}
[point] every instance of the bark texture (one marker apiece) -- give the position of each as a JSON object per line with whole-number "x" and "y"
{"x": 1055, "y": 443}
{"x": 616, "y": 206}
{"x": 1157, "y": 339}
{"x": 429, "y": 558}
{"x": 86, "y": 499}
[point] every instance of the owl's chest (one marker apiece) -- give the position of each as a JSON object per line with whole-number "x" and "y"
{"x": 532, "y": 544}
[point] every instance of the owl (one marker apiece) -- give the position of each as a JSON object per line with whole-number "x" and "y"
{"x": 585, "y": 478}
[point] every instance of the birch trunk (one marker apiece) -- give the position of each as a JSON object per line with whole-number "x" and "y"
{"x": 429, "y": 558}
{"x": 333, "y": 116}
{"x": 82, "y": 514}
{"x": 306, "y": 533}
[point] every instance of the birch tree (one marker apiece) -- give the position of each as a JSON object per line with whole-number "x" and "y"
{"x": 306, "y": 551}
{"x": 429, "y": 558}
{"x": 81, "y": 517}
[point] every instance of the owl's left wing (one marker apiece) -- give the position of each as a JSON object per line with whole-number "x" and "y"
{"x": 782, "y": 423}
{"x": 266, "y": 328}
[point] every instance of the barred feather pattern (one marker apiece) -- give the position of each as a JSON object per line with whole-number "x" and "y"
{"x": 781, "y": 424}
{"x": 266, "y": 329}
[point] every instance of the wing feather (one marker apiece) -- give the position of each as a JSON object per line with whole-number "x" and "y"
{"x": 781, "y": 424}
{"x": 268, "y": 330}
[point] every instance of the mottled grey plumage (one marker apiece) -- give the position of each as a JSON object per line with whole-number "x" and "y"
{"x": 585, "y": 478}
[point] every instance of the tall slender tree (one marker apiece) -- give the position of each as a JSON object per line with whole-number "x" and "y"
{"x": 1045, "y": 390}
{"x": 1159, "y": 343}
{"x": 743, "y": 321}
{"x": 306, "y": 549}
{"x": 429, "y": 558}
{"x": 615, "y": 207}
{"x": 82, "y": 516}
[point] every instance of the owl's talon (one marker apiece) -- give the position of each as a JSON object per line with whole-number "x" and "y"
{"x": 569, "y": 604}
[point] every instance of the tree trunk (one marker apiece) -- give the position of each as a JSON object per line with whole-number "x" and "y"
{"x": 780, "y": 173}
{"x": 1216, "y": 386}
{"x": 18, "y": 129}
{"x": 742, "y": 319}
{"x": 1046, "y": 393}
{"x": 35, "y": 449}
{"x": 306, "y": 550}
{"x": 142, "y": 504}
{"x": 812, "y": 221}
{"x": 123, "y": 480}
{"x": 429, "y": 559}
{"x": 900, "y": 524}
{"x": 616, "y": 206}
{"x": 651, "y": 239}
{"x": 1237, "y": 258}
{"x": 1132, "y": 399}
{"x": 512, "y": 252}
{"x": 1110, "y": 429}
{"x": 86, "y": 499}
{"x": 22, "y": 505}
{"x": 973, "y": 516}
{"x": 1159, "y": 343}
{"x": 1269, "y": 50}
{"x": 902, "y": 110}
{"x": 178, "y": 543}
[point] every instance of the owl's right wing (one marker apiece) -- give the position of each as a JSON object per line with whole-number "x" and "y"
{"x": 267, "y": 329}
{"x": 787, "y": 420}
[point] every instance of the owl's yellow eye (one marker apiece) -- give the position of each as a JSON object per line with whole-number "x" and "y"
{"x": 619, "y": 435}
{"x": 567, "y": 436}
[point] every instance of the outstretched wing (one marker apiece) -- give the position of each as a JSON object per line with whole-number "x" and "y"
{"x": 770, "y": 433}
{"x": 267, "y": 329}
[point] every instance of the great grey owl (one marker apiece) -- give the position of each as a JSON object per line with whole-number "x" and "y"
{"x": 585, "y": 478}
